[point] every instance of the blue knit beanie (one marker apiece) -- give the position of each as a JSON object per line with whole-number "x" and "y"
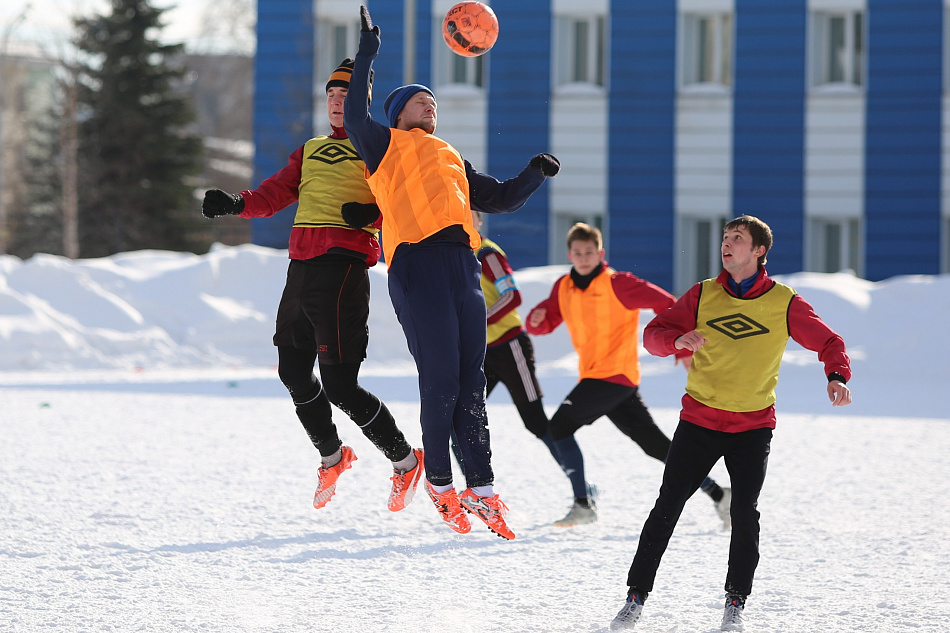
{"x": 397, "y": 99}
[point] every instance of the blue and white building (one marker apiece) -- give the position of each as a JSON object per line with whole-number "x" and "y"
{"x": 826, "y": 118}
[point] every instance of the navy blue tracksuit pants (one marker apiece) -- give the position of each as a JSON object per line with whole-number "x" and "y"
{"x": 436, "y": 292}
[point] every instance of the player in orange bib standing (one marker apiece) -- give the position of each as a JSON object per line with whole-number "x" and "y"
{"x": 736, "y": 328}
{"x": 426, "y": 192}
{"x": 602, "y": 310}
{"x": 324, "y": 308}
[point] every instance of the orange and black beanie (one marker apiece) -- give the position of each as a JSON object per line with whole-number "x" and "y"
{"x": 341, "y": 76}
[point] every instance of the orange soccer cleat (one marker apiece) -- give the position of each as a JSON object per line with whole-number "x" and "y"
{"x": 447, "y": 503}
{"x": 328, "y": 476}
{"x": 405, "y": 483}
{"x": 491, "y": 510}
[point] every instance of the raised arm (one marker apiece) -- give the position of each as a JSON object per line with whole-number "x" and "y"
{"x": 371, "y": 139}
{"x": 490, "y": 195}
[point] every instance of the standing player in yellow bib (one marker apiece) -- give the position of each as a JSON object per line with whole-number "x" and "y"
{"x": 736, "y": 327}
{"x": 324, "y": 309}
{"x": 601, "y": 308}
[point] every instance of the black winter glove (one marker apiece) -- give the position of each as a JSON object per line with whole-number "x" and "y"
{"x": 217, "y": 203}
{"x": 366, "y": 22}
{"x": 357, "y": 214}
{"x": 548, "y": 165}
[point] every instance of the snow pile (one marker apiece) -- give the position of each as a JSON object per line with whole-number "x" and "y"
{"x": 149, "y": 311}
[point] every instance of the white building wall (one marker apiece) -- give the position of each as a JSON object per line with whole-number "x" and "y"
{"x": 834, "y": 156}
{"x": 579, "y": 140}
{"x": 702, "y": 171}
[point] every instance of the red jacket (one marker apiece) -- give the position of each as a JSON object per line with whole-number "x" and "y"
{"x": 804, "y": 326}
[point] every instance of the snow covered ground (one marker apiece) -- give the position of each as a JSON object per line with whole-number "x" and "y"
{"x": 154, "y": 476}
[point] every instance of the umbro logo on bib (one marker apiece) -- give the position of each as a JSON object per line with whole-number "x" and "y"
{"x": 333, "y": 153}
{"x": 737, "y": 326}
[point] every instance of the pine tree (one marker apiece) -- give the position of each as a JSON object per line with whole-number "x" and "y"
{"x": 135, "y": 151}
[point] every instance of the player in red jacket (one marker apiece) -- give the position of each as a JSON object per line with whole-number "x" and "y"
{"x": 324, "y": 309}
{"x": 736, "y": 327}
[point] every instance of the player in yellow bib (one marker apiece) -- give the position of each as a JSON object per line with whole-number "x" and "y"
{"x": 324, "y": 309}
{"x": 735, "y": 327}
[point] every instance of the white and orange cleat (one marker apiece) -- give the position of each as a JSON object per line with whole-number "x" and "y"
{"x": 491, "y": 510}
{"x": 405, "y": 483}
{"x": 328, "y": 476}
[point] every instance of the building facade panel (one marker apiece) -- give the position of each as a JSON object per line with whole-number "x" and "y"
{"x": 283, "y": 100}
{"x": 903, "y": 161}
{"x": 823, "y": 117}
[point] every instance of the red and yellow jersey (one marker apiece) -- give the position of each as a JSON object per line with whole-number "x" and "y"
{"x": 331, "y": 174}
{"x": 324, "y": 161}
{"x": 421, "y": 188}
{"x": 501, "y": 293}
{"x": 737, "y": 369}
{"x": 800, "y": 323}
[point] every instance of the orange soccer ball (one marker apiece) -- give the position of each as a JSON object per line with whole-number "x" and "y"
{"x": 470, "y": 29}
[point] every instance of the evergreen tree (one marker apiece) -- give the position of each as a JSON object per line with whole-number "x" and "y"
{"x": 36, "y": 219}
{"x": 135, "y": 151}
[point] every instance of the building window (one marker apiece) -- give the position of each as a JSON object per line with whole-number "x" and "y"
{"x": 706, "y": 50}
{"x": 336, "y": 40}
{"x": 581, "y": 50}
{"x": 835, "y": 245}
{"x": 700, "y": 252}
{"x": 455, "y": 70}
{"x": 837, "y": 49}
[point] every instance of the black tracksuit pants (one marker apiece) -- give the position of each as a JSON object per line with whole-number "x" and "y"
{"x": 693, "y": 452}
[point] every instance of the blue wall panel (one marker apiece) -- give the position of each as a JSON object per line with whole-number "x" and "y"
{"x": 283, "y": 99}
{"x": 518, "y": 121}
{"x": 769, "y": 123}
{"x": 903, "y": 148}
{"x": 641, "y": 115}
{"x": 424, "y": 19}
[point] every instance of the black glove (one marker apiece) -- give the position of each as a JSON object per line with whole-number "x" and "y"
{"x": 366, "y": 22}
{"x": 357, "y": 214}
{"x": 548, "y": 165}
{"x": 219, "y": 202}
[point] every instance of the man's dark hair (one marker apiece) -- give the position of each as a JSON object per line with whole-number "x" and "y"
{"x": 759, "y": 231}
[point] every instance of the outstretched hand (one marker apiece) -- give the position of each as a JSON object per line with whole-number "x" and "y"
{"x": 366, "y": 22}
{"x": 548, "y": 164}
{"x": 218, "y": 203}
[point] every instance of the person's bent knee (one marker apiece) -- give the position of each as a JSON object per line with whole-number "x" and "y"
{"x": 560, "y": 428}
